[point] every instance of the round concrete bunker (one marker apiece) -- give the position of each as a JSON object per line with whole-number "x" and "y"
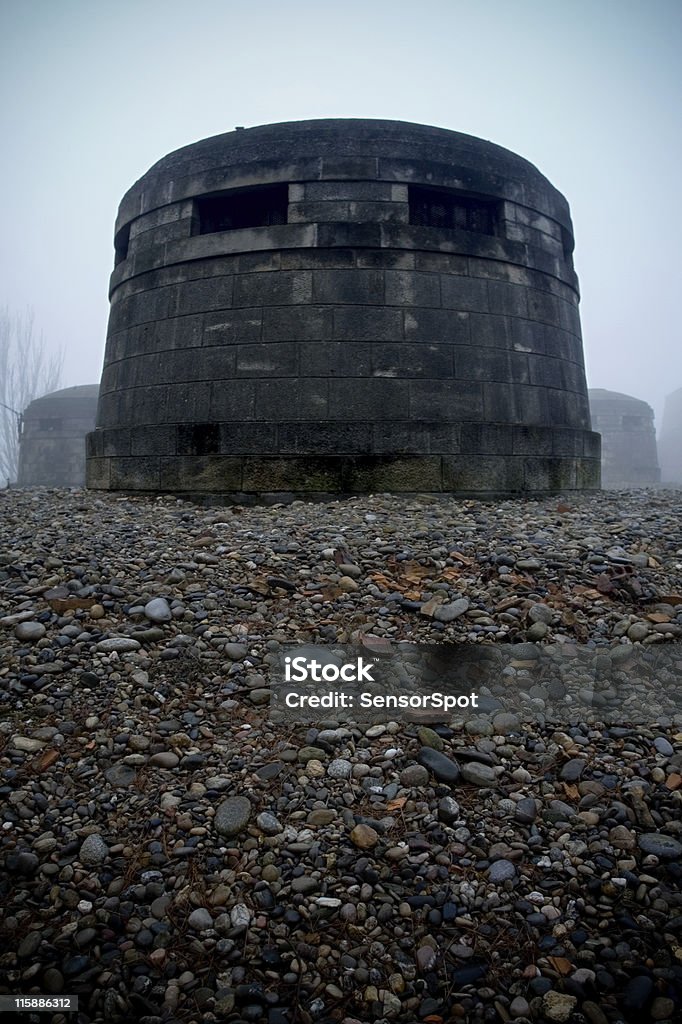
{"x": 341, "y": 306}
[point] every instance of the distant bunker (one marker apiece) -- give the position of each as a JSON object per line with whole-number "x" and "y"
{"x": 670, "y": 444}
{"x": 52, "y": 444}
{"x": 343, "y": 306}
{"x": 628, "y": 439}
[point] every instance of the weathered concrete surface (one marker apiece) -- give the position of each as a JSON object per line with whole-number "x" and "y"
{"x": 628, "y": 439}
{"x": 52, "y": 446}
{"x": 365, "y": 333}
{"x": 670, "y": 441}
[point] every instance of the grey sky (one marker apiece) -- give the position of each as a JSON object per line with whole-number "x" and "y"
{"x": 588, "y": 90}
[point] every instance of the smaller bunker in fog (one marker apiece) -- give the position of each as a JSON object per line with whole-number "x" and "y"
{"x": 52, "y": 446}
{"x": 670, "y": 441}
{"x": 628, "y": 439}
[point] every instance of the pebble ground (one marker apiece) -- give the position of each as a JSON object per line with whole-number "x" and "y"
{"x": 169, "y": 854}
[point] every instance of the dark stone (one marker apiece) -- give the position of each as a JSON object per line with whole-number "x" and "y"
{"x": 277, "y": 1016}
{"x": 661, "y": 845}
{"x": 417, "y": 902}
{"x": 269, "y": 771}
{"x": 573, "y": 769}
{"x": 539, "y": 986}
{"x": 75, "y": 965}
{"x": 23, "y": 863}
{"x": 443, "y": 767}
{"x": 637, "y": 993}
{"x": 468, "y": 975}
{"x": 526, "y": 810}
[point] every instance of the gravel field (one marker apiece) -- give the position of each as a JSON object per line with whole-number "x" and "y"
{"x": 170, "y": 854}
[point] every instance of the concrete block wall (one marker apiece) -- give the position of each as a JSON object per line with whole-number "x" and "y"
{"x": 347, "y": 349}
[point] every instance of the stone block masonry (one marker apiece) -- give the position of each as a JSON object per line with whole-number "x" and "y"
{"x": 324, "y": 307}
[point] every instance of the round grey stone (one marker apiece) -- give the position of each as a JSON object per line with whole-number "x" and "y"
{"x": 353, "y": 571}
{"x": 519, "y": 1007}
{"x": 232, "y": 815}
{"x": 236, "y": 652}
{"x": 479, "y": 775}
{"x": 505, "y": 723}
{"x": 414, "y": 775}
{"x": 200, "y": 919}
{"x": 84, "y": 937}
{"x": 426, "y": 958}
{"x": 29, "y": 945}
{"x": 305, "y": 884}
{"x": 269, "y": 824}
{"x": 478, "y": 727}
{"x": 622, "y": 838}
{"x": 119, "y": 644}
{"x": 339, "y": 768}
{"x": 149, "y": 635}
{"x": 165, "y": 759}
{"x": 53, "y": 981}
{"x": 663, "y": 746}
{"x": 537, "y": 631}
{"x": 259, "y": 695}
{"x": 29, "y": 631}
{"x": 662, "y": 1008}
{"x": 159, "y": 907}
{"x": 240, "y": 916}
{"x": 448, "y": 809}
{"x": 93, "y": 850}
{"x": 306, "y": 754}
{"x": 429, "y": 738}
{"x": 528, "y": 563}
{"x": 526, "y": 810}
{"x": 158, "y": 610}
{"x": 559, "y": 810}
{"x": 501, "y": 870}
{"x": 541, "y": 613}
{"x": 637, "y": 631}
{"x": 573, "y": 769}
{"x": 452, "y": 611}
{"x": 28, "y": 744}
{"x": 120, "y": 775}
{"x": 524, "y": 652}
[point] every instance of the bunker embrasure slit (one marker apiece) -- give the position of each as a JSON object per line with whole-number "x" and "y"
{"x": 248, "y": 208}
{"x": 446, "y": 208}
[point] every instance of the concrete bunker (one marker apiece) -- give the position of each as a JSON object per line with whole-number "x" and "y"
{"x": 52, "y": 445}
{"x": 670, "y": 442}
{"x": 339, "y": 306}
{"x": 628, "y": 445}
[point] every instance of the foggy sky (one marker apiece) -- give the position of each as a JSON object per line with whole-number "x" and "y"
{"x": 93, "y": 93}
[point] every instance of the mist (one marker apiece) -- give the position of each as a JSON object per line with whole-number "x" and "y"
{"x": 96, "y": 93}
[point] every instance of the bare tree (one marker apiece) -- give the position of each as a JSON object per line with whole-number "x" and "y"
{"x": 27, "y": 371}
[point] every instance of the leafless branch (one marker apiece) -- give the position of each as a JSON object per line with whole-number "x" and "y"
{"x": 27, "y": 371}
